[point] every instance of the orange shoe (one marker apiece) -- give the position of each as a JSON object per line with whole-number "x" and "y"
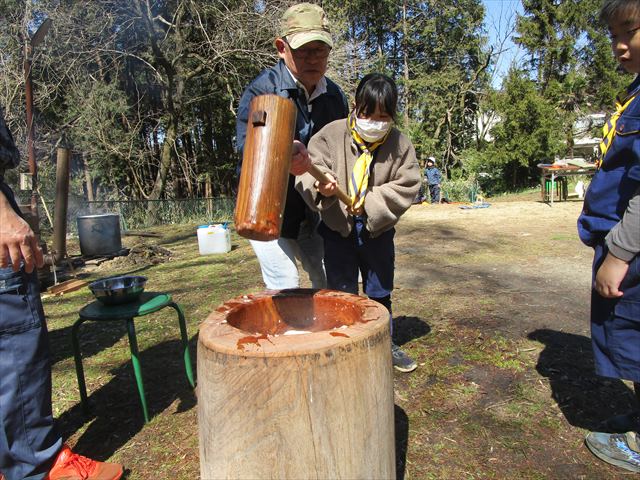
{"x": 71, "y": 466}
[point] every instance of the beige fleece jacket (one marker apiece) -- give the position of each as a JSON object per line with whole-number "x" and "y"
{"x": 394, "y": 179}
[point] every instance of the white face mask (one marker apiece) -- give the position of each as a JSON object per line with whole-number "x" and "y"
{"x": 371, "y": 130}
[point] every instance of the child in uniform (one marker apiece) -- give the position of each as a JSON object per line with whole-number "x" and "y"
{"x": 377, "y": 165}
{"x": 610, "y": 223}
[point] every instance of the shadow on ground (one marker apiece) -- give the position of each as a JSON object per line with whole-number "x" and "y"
{"x": 406, "y": 329}
{"x": 93, "y": 340}
{"x": 586, "y": 400}
{"x": 115, "y": 415}
{"x": 402, "y": 439}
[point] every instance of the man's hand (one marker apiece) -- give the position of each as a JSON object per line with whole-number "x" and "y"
{"x": 300, "y": 161}
{"x": 610, "y": 275}
{"x": 17, "y": 240}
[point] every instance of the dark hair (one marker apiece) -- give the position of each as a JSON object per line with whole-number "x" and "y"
{"x": 613, "y": 8}
{"x": 377, "y": 89}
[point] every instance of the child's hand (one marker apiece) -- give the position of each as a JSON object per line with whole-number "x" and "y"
{"x": 356, "y": 212}
{"x": 300, "y": 161}
{"x": 327, "y": 189}
{"x": 610, "y": 275}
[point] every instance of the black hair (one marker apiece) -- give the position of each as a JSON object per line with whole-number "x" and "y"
{"x": 611, "y": 9}
{"x": 377, "y": 89}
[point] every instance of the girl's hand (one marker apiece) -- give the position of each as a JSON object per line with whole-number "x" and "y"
{"x": 356, "y": 212}
{"x": 327, "y": 189}
{"x": 300, "y": 161}
{"x": 610, "y": 275}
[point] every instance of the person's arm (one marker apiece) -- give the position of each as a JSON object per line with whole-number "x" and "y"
{"x": 623, "y": 242}
{"x": 17, "y": 240}
{"x": 321, "y": 154}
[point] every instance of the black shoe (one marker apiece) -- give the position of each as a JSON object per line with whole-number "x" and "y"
{"x": 622, "y": 423}
{"x": 401, "y": 361}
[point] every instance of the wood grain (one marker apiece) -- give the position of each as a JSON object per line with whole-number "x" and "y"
{"x": 308, "y": 406}
{"x": 266, "y": 160}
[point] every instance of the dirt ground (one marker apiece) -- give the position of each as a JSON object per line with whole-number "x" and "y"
{"x": 492, "y": 302}
{"x": 501, "y": 295}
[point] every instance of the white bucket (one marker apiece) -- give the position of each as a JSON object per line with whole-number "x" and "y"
{"x": 214, "y": 239}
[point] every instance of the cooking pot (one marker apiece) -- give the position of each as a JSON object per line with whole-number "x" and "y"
{"x": 99, "y": 234}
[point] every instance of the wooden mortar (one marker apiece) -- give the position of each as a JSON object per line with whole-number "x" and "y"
{"x": 315, "y": 405}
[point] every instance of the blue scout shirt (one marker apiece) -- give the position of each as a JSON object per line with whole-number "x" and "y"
{"x": 618, "y": 178}
{"x": 324, "y": 109}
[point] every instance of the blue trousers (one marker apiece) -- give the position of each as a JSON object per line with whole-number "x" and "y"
{"x": 434, "y": 190}
{"x": 29, "y": 441}
{"x": 374, "y": 258}
{"x": 615, "y": 325}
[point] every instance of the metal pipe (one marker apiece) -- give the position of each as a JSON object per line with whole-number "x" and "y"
{"x": 31, "y": 154}
{"x": 62, "y": 200}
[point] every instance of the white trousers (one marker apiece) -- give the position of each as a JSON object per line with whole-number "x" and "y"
{"x": 279, "y": 261}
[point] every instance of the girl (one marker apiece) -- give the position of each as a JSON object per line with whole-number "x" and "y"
{"x": 368, "y": 157}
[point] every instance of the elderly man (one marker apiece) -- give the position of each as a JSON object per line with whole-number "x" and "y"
{"x": 30, "y": 446}
{"x": 303, "y": 46}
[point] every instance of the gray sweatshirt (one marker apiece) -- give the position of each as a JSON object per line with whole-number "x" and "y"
{"x": 623, "y": 240}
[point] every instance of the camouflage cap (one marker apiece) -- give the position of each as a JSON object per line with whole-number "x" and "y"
{"x": 304, "y": 23}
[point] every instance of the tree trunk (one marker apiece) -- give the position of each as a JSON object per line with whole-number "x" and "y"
{"x": 87, "y": 177}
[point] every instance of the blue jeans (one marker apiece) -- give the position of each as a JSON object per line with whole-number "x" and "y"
{"x": 29, "y": 441}
{"x": 434, "y": 190}
{"x": 279, "y": 259}
{"x": 373, "y": 258}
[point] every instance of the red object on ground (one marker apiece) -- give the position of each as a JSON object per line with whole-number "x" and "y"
{"x": 71, "y": 466}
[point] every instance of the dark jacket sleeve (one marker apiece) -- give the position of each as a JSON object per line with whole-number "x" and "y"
{"x": 9, "y": 154}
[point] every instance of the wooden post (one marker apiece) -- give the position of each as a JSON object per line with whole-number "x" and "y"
{"x": 294, "y": 385}
{"x": 266, "y": 160}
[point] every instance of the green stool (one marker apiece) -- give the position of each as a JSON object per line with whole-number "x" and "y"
{"x": 149, "y": 302}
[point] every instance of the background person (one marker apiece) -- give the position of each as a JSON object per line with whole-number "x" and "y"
{"x": 610, "y": 223}
{"x": 30, "y": 445}
{"x": 377, "y": 165}
{"x": 434, "y": 178}
{"x": 303, "y": 47}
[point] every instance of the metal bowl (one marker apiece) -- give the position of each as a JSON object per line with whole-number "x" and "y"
{"x": 118, "y": 290}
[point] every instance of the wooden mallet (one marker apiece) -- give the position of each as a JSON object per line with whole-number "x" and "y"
{"x": 266, "y": 161}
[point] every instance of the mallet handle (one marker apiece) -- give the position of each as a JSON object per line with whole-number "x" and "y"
{"x": 322, "y": 178}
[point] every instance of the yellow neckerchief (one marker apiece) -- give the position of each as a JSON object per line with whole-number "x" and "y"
{"x": 609, "y": 129}
{"x": 359, "y": 180}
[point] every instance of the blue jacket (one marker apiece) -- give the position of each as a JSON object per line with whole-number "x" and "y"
{"x": 616, "y": 181}
{"x": 328, "y": 107}
{"x": 433, "y": 175}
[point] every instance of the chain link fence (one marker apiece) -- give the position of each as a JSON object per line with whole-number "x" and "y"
{"x": 141, "y": 214}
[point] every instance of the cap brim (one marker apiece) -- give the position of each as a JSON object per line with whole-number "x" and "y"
{"x": 297, "y": 40}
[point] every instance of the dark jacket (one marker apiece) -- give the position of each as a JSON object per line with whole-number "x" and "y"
{"x": 9, "y": 155}
{"x": 328, "y": 107}
{"x": 617, "y": 180}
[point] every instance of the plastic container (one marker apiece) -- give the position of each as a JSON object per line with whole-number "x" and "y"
{"x": 214, "y": 239}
